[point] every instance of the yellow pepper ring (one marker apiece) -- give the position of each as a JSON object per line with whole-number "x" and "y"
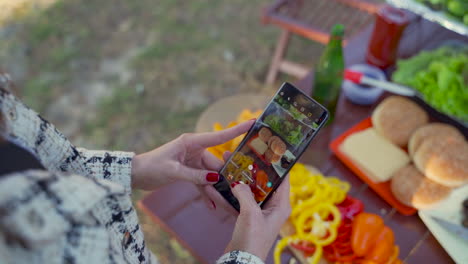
{"x": 305, "y": 220}
{"x": 306, "y": 204}
{"x": 322, "y": 193}
{"x": 280, "y": 247}
{"x": 329, "y": 239}
{"x": 333, "y": 210}
{"x": 313, "y": 198}
{"x": 315, "y": 193}
{"x": 324, "y": 210}
{"x": 315, "y": 258}
{"x": 338, "y": 183}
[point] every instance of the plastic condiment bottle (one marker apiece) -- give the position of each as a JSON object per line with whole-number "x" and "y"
{"x": 329, "y": 72}
{"x": 389, "y": 25}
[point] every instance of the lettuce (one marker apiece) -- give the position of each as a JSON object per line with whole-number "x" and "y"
{"x": 440, "y": 77}
{"x": 292, "y": 133}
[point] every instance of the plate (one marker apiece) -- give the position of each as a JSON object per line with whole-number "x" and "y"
{"x": 450, "y": 209}
{"x": 227, "y": 109}
{"x": 382, "y": 189}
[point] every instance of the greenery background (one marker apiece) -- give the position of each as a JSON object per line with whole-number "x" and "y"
{"x": 132, "y": 75}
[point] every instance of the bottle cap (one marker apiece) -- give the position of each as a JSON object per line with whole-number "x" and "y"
{"x": 337, "y": 30}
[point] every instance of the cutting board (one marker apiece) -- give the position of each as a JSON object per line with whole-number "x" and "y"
{"x": 448, "y": 209}
{"x": 288, "y": 229}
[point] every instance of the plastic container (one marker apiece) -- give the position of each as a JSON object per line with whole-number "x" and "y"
{"x": 363, "y": 94}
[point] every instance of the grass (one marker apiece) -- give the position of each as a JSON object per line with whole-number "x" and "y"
{"x": 139, "y": 73}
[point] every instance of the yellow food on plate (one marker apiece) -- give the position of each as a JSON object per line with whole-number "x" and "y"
{"x": 375, "y": 155}
{"x": 238, "y": 166}
{"x": 314, "y": 216}
{"x": 245, "y": 115}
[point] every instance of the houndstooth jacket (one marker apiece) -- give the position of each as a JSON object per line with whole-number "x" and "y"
{"x": 79, "y": 210}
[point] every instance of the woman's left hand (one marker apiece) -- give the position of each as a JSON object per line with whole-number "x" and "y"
{"x": 184, "y": 158}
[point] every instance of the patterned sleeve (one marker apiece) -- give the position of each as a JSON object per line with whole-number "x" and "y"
{"x": 55, "y": 151}
{"x": 110, "y": 165}
{"x": 239, "y": 257}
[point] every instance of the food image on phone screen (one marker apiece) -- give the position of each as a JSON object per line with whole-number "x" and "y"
{"x": 273, "y": 144}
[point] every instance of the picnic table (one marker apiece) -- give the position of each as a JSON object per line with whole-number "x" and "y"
{"x": 180, "y": 210}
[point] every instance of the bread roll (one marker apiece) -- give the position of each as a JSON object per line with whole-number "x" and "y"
{"x": 278, "y": 147}
{"x": 272, "y": 139}
{"x": 264, "y": 134}
{"x": 271, "y": 157}
{"x": 443, "y": 161}
{"x": 396, "y": 118}
{"x": 410, "y": 187}
{"x": 443, "y": 131}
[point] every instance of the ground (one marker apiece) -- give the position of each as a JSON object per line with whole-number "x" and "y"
{"x": 132, "y": 75}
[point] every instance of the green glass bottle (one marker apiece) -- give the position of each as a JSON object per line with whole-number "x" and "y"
{"x": 329, "y": 72}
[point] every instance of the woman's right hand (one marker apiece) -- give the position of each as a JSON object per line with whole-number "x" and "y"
{"x": 256, "y": 230}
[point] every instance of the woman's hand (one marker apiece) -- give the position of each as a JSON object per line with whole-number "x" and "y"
{"x": 185, "y": 158}
{"x": 256, "y": 229}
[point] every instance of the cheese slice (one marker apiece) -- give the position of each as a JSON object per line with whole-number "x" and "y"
{"x": 375, "y": 155}
{"x": 259, "y": 146}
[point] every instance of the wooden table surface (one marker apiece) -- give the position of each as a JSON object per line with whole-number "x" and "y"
{"x": 179, "y": 209}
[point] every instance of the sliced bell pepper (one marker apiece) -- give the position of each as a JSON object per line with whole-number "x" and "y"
{"x": 383, "y": 246}
{"x": 321, "y": 232}
{"x": 365, "y": 230}
{"x": 280, "y": 247}
{"x": 305, "y": 247}
{"x": 333, "y": 255}
{"x": 366, "y": 261}
{"x": 394, "y": 257}
{"x": 350, "y": 207}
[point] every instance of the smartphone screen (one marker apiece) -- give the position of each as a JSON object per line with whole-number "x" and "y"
{"x": 273, "y": 144}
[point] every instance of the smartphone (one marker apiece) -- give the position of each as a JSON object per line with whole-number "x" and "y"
{"x": 273, "y": 144}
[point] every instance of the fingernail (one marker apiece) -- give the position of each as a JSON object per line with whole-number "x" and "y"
{"x": 212, "y": 177}
{"x": 252, "y": 119}
{"x": 214, "y": 205}
{"x": 235, "y": 183}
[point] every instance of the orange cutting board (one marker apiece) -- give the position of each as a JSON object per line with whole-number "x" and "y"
{"x": 382, "y": 189}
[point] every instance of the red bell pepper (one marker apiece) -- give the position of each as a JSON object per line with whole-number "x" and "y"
{"x": 332, "y": 254}
{"x": 350, "y": 207}
{"x": 340, "y": 250}
{"x": 307, "y": 248}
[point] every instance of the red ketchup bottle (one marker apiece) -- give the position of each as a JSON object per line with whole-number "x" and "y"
{"x": 389, "y": 25}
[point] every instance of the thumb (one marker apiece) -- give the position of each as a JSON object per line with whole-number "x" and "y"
{"x": 245, "y": 197}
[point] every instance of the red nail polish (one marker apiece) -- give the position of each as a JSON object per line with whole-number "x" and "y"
{"x": 212, "y": 177}
{"x": 214, "y": 205}
{"x": 235, "y": 183}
